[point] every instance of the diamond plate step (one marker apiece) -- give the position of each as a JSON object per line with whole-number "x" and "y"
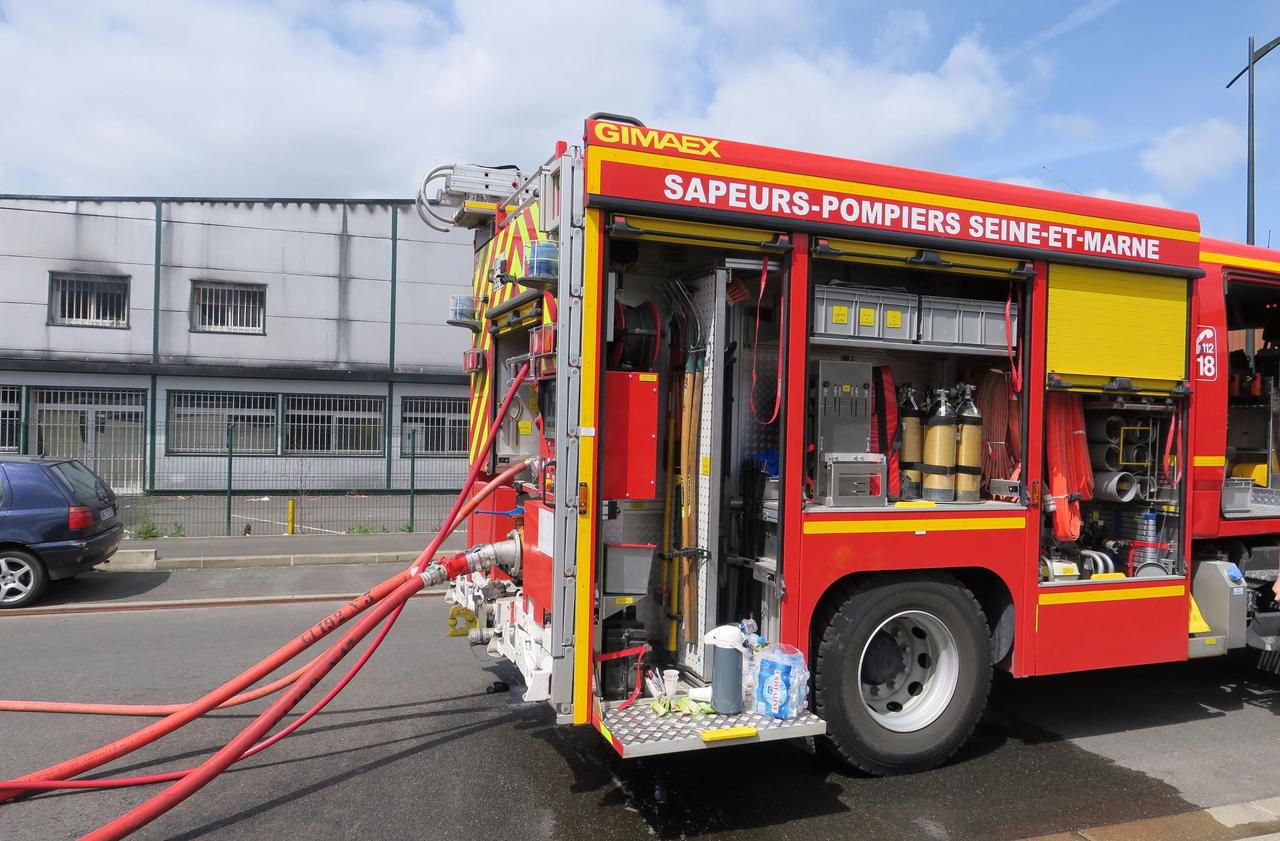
{"x": 639, "y": 731}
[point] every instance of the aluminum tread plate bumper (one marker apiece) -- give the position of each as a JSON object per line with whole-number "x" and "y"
{"x": 639, "y": 731}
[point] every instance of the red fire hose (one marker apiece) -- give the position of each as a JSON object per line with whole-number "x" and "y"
{"x": 380, "y": 598}
{"x": 192, "y": 782}
{"x": 121, "y": 782}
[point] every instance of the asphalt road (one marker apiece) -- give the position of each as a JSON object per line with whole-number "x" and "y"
{"x": 417, "y": 748}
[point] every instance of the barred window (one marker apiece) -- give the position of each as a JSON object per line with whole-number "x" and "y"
{"x": 10, "y": 418}
{"x": 440, "y": 425}
{"x": 218, "y": 307}
{"x": 198, "y": 422}
{"x": 342, "y": 425}
{"x": 88, "y": 300}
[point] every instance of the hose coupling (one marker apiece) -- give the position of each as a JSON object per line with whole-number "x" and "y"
{"x": 505, "y": 553}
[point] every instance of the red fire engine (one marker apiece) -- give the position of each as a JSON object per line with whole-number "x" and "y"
{"x": 917, "y": 426}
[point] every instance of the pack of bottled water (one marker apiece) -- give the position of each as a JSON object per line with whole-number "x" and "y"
{"x": 782, "y": 681}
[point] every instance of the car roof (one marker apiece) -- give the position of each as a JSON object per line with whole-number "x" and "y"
{"x": 15, "y": 459}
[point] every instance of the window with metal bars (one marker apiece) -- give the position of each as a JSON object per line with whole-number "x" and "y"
{"x": 88, "y": 300}
{"x": 10, "y": 418}
{"x": 198, "y": 422}
{"x": 337, "y": 425}
{"x": 440, "y": 425}
{"x": 218, "y": 307}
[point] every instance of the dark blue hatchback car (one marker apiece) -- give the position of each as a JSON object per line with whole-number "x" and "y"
{"x": 57, "y": 519}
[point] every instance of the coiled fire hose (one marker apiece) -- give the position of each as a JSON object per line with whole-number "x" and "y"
{"x": 385, "y": 598}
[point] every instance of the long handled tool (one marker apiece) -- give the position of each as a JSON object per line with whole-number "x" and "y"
{"x": 690, "y": 428}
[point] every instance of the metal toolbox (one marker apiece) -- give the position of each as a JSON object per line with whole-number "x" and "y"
{"x": 865, "y": 312}
{"x": 852, "y": 480}
{"x": 963, "y": 321}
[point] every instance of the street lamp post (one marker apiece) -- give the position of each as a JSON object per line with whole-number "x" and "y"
{"x": 1254, "y": 57}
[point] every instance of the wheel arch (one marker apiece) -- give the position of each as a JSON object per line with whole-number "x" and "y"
{"x": 21, "y": 547}
{"x": 988, "y": 587}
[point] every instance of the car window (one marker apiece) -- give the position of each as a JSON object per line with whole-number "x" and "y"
{"x": 32, "y": 487}
{"x": 83, "y": 482}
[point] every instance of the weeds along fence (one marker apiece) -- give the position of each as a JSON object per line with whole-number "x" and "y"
{"x": 313, "y": 473}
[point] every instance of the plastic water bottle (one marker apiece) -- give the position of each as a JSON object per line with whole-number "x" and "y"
{"x": 782, "y": 682}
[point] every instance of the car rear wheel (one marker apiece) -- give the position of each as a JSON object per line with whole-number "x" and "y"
{"x": 22, "y": 578}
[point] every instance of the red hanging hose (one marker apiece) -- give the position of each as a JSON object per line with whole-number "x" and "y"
{"x": 1067, "y": 453}
{"x": 782, "y": 322}
{"x": 995, "y": 399}
{"x": 375, "y": 597}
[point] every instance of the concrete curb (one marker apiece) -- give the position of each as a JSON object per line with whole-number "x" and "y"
{"x": 1255, "y": 820}
{"x": 180, "y": 604}
{"x": 145, "y": 560}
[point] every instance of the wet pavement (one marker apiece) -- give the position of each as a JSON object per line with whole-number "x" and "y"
{"x": 417, "y": 747}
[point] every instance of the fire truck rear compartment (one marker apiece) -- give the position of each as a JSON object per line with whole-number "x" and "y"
{"x": 1251, "y": 487}
{"x": 689, "y": 465}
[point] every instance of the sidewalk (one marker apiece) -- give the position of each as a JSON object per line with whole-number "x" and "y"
{"x": 272, "y": 551}
{"x": 1256, "y": 820}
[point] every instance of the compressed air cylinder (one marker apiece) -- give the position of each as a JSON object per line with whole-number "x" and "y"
{"x": 939, "y": 463}
{"x": 912, "y": 449}
{"x": 968, "y": 448}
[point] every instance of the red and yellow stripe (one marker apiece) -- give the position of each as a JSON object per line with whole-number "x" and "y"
{"x": 509, "y": 241}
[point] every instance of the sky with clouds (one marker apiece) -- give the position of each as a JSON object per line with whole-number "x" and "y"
{"x": 1118, "y": 98}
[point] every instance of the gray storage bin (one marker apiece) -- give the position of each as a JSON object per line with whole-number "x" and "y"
{"x": 627, "y": 567}
{"x": 864, "y": 312}
{"x": 962, "y": 321}
{"x": 1236, "y": 493}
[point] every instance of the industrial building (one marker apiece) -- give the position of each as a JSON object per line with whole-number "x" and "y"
{"x": 147, "y": 335}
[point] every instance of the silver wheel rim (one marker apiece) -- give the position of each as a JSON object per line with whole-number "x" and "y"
{"x": 17, "y": 577}
{"x": 908, "y": 671}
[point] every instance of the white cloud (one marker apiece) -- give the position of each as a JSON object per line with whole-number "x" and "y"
{"x": 1183, "y": 158}
{"x": 901, "y": 37}
{"x": 360, "y": 97}
{"x": 832, "y": 103}
{"x": 1150, "y": 198}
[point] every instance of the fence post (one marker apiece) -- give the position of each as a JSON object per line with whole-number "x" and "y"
{"x": 413, "y": 476}
{"x": 231, "y": 437}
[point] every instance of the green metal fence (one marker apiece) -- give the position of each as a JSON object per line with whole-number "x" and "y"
{"x": 314, "y": 473}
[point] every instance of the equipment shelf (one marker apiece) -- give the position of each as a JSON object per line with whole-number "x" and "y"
{"x": 639, "y": 731}
{"x": 890, "y": 344}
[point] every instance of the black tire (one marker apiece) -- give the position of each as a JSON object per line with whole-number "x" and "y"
{"x": 853, "y": 732}
{"x": 19, "y": 569}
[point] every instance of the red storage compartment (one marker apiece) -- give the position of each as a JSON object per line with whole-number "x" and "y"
{"x": 536, "y": 564}
{"x": 486, "y": 527}
{"x": 630, "y": 435}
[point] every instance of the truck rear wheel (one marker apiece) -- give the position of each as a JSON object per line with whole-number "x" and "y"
{"x": 902, "y": 673}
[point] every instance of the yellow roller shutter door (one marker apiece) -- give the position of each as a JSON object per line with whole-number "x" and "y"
{"x": 1105, "y": 325}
